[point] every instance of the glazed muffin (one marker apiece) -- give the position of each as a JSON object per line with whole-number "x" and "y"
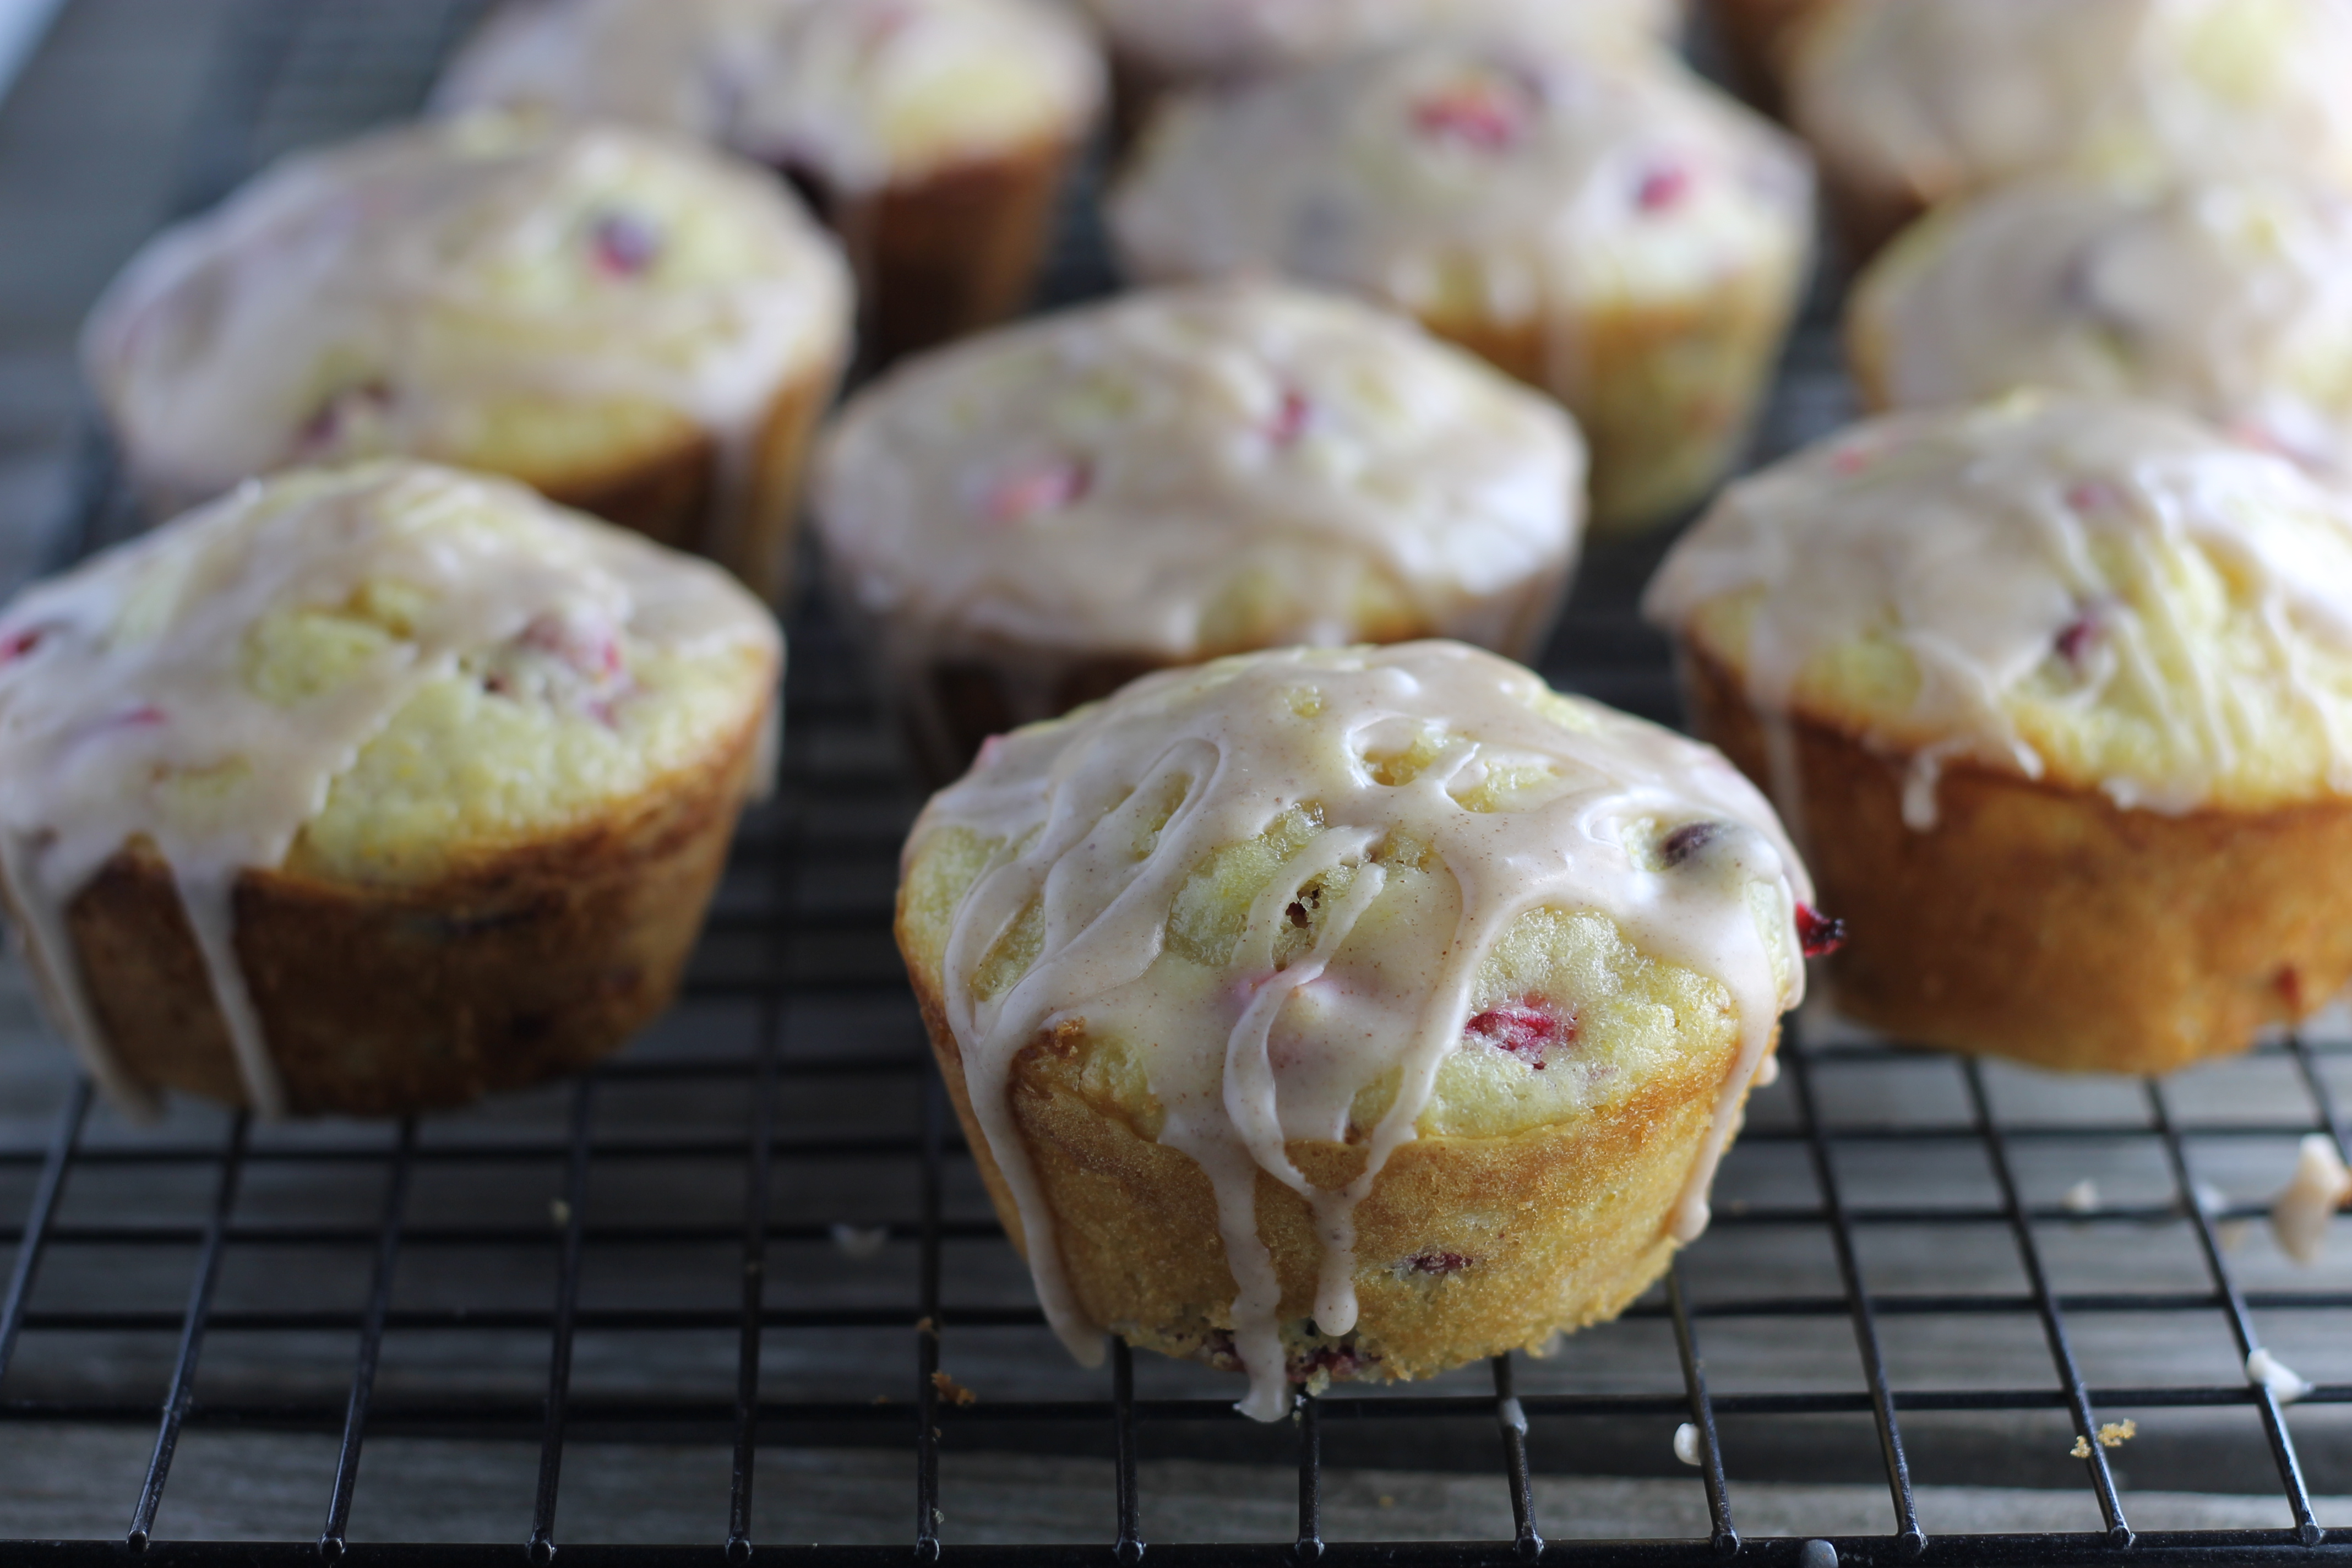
{"x": 1028, "y": 521}
{"x": 370, "y": 790}
{"x": 1907, "y": 102}
{"x": 2230, "y": 298}
{"x": 2056, "y": 693}
{"x": 1349, "y": 1014}
{"x": 1613, "y": 230}
{"x": 1157, "y": 46}
{"x": 622, "y": 321}
{"x": 932, "y": 135}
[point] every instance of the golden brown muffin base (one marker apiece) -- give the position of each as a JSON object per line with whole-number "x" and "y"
{"x": 1666, "y": 397}
{"x": 684, "y": 497}
{"x": 2047, "y": 923}
{"x": 1755, "y": 35}
{"x": 954, "y": 251}
{"x": 1560, "y": 1227}
{"x": 381, "y": 1001}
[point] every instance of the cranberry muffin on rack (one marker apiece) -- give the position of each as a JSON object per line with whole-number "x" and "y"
{"x": 2056, "y": 692}
{"x": 1029, "y": 520}
{"x": 1159, "y": 46}
{"x": 1611, "y": 230}
{"x": 2231, "y": 298}
{"x": 1351, "y": 1013}
{"x": 370, "y": 790}
{"x": 1907, "y": 102}
{"x": 933, "y": 134}
{"x": 626, "y": 323}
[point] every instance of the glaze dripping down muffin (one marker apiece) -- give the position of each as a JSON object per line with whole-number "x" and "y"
{"x": 2057, "y": 691}
{"x": 622, "y": 321}
{"x": 1029, "y": 520}
{"x": 1351, "y": 1013}
{"x": 371, "y": 789}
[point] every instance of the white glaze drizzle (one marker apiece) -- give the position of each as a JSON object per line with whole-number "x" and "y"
{"x": 1471, "y": 181}
{"x": 1928, "y": 98}
{"x": 2230, "y": 298}
{"x": 1228, "y": 39}
{"x": 1180, "y": 444}
{"x": 864, "y": 93}
{"x": 126, "y": 713}
{"x": 1246, "y": 1058}
{"x": 385, "y": 296}
{"x": 1984, "y": 541}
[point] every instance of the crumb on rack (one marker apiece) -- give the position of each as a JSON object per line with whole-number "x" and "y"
{"x": 954, "y": 1393}
{"x": 2116, "y": 1434}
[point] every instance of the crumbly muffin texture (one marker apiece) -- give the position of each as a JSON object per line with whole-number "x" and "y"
{"x": 2105, "y": 595}
{"x": 1288, "y": 915}
{"x": 558, "y": 305}
{"x": 1182, "y": 473}
{"x": 2227, "y": 296}
{"x": 1227, "y": 39}
{"x": 860, "y": 94}
{"x": 1924, "y": 99}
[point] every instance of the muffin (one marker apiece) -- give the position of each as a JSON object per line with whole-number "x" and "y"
{"x": 1755, "y": 38}
{"x": 2056, "y": 693}
{"x": 370, "y": 790}
{"x": 932, "y": 135}
{"x": 1907, "y": 102}
{"x": 620, "y": 320}
{"x": 1351, "y": 1013}
{"x": 1613, "y": 230}
{"x": 2228, "y": 297}
{"x": 1030, "y": 520}
{"x": 1157, "y": 46}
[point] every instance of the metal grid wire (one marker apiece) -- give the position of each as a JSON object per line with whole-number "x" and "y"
{"x": 795, "y": 1053}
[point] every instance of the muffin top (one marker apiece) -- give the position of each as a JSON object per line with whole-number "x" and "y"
{"x": 1225, "y": 39}
{"x": 1183, "y": 472}
{"x": 2228, "y": 297}
{"x": 1351, "y": 895}
{"x": 1927, "y": 98}
{"x": 1467, "y": 180}
{"x": 2103, "y": 593}
{"x": 491, "y": 291}
{"x": 859, "y": 94}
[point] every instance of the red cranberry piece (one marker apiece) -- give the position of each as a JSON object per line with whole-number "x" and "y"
{"x": 1439, "y": 1263}
{"x": 2075, "y": 638}
{"x": 1687, "y": 840}
{"x": 17, "y": 645}
{"x": 1818, "y": 933}
{"x": 325, "y": 427}
{"x": 1664, "y": 187}
{"x": 588, "y": 650}
{"x": 1486, "y": 115}
{"x": 1289, "y": 422}
{"x": 1034, "y": 491}
{"x": 2094, "y": 495}
{"x": 623, "y": 244}
{"x": 1849, "y": 459}
{"x": 1527, "y": 1029}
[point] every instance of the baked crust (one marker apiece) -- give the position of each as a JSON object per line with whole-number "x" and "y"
{"x": 680, "y": 497}
{"x": 2043, "y": 921}
{"x": 1661, "y": 436}
{"x": 953, "y": 251}
{"x": 1553, "y": 1228}
{"x": 532, "y": 961}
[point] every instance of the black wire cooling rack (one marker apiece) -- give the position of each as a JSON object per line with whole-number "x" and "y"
{"x": 772, "y": 1177}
